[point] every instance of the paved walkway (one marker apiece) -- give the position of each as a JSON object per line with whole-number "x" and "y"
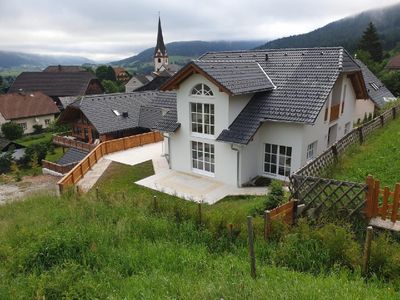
{"x": 194, "y": 187}
{"x": 91, "y": 177}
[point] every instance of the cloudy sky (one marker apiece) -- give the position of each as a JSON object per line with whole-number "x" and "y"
{"x": 108, "y": 30}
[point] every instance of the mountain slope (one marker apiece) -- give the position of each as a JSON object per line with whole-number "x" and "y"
{"x": 347, "y": 32}
{"x": 189, "y": 49}
{"x": 17, "y": 59}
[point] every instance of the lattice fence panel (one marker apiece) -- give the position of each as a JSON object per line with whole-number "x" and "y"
{"x": 318, "y": 166}
{"x": 323, "y": 196}
{"x": 371, "y": 126}
{"x": 348, "y": 140}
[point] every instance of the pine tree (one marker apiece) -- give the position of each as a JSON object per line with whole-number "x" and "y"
{"x": 371, "y": 43}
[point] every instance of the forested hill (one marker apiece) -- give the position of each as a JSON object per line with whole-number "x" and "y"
{"x": 190, "y": 49}
{"x": 17, "y": 59}
{"x": 347, "y": 32}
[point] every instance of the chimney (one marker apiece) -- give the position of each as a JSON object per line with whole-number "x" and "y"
{"x": 125, "y": 114}
{"x": 59, "y": 68}
{"x": 266, "y": 57}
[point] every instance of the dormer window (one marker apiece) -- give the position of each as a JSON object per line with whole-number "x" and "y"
{"x": 202, "y": 90}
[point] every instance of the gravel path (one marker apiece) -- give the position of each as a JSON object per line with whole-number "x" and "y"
{"x": 28, "y": 186}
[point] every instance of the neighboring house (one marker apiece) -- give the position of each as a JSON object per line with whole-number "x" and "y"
{"x": 58, "y": 84}
{"x": 158, "y": 80}
{"x": 244, "y": 114}
{"x": 105, "y": 117}
{"x": 27, "y": 109}
{"x": 394, "y": 63}
{"x": 7, "y": 145}
{"x": 121, "y": 74}
{"x": 136, "y": 82}
{"x": 60, "y": 68}
{"x": 378, "y": 95}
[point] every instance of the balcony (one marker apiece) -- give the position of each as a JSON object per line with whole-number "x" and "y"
{"x": 71, "y": 142}
{"x": 335, "y": 112}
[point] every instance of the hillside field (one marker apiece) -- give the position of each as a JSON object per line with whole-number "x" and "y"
{"x": 117, "y": 246}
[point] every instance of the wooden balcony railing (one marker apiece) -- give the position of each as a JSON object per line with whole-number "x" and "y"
{"x": 335, "y": 112}
{"x": 71, "y": 143}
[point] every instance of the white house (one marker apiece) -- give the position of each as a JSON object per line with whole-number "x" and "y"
{"x": 28, "y": 110}
{"x": 253, "y": 113}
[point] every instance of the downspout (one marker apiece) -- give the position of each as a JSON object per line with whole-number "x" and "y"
{"x": 169, "y": 149}
{"x": 237, "y": 164}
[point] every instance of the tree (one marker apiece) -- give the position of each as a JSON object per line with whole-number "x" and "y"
{"x": 112, "y": 87}
{"x": 5, "y": 162}
{"x": 371, "y": 43}
{"x": 105, "y": 73}
{"x": 12, "y": 131}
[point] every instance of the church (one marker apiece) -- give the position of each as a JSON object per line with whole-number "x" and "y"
{"x": 162, "y": 69}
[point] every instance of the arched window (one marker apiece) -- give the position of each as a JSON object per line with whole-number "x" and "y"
{"x": 202, "y": 90}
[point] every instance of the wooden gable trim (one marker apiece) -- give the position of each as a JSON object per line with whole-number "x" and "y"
{"x": 186, "y": 72}
{"x": 358, "y": 83}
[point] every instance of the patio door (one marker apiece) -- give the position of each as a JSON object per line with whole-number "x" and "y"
{"x": 203, "y": 158}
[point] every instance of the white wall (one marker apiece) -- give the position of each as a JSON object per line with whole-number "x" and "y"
{"x": 180, "y": 144}
{"x": 363, "y": 107}
{"x": 40, "y": 120}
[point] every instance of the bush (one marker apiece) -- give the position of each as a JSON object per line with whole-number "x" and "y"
{"x": 40, "y": 150}
{"x": 5, "y": 162}
{"x": 276, "y": 195}
{"x": 37, "y": 129}
{"x": 12, "y": 131}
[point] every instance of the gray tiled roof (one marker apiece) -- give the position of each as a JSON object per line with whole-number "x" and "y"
{"x": 72, "y": 156}
{"x": 237, "y": 76}
{"x": 377, "y": 96}
{"x": 144, "y": 109}
{"x": 304, "y": 79}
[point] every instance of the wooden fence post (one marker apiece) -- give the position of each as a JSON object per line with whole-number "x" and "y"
{"x": 230, "y": 226}
{"x": 360, "y": 134}
{"x": 251, "y": 246}
{"x": 294, "y": 212}
{"x": 382, "y": 120}
{"x": 267, "y": 224}
{"x": 394, "y": 112}
{"x": 155, "y": 204}
{"x": 200, "y": 214}
{"x": 97, "y": 193}
{"x": 395, "y": 206}
{"x": 367, "y": 250}
{"x": 334, "y": 151}
{"x": 369, "y": 197}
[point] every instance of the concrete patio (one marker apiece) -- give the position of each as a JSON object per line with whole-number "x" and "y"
{"x": 191, "y": 187}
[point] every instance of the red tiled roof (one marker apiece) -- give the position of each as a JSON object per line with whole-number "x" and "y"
{"x": 22, "y": 105}
{"x": 394, "y": 63}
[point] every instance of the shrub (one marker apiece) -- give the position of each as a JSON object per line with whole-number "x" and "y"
{"x": 276, "y": 195}
{"x": 37, "y": 129}
{"x": 12, "y": 131}
{"x": 40, "y": 150}
{"x": 5, "y": 162}
{"x": 16, "y": 172}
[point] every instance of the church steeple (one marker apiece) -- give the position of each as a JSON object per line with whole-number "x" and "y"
{"x": 160, "y": 52}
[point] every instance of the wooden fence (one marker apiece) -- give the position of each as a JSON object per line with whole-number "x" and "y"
{"x": 286, "y": 213}
{"x": 62, "y": 169}
{"x": 70, "y": 143}
{"x": 382, "y": 205}
{"x": 104, "y": 148}
{"x": 340, "y": 197}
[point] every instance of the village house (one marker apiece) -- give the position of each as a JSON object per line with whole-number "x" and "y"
{"x": 58, "y": 85}
{"x": 394, "y": 63}
{"x": 28, "y": 110}
{"x": 378, "y": 95}
{"x": 121, "y": 74}
{"x": 105, "y": 117}
{"x": 244, "y": 114}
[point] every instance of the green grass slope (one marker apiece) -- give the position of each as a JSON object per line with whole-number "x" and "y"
{"x": 118, "y": 247}
{"x": 378, "y": 156}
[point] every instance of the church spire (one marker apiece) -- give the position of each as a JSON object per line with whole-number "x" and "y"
{"x": 160, "y": 47}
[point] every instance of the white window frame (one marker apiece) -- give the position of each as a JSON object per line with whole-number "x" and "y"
{"x": 203, "y": 115}
{"x": 274, "y": 159}
{"x": 311, "y": 151}
{"x": 202, "y": 154}
{"x": 347, "y": 128}
{"x": 201, "y": 90}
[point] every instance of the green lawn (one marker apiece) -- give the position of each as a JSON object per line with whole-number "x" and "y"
{"x": 378, "y": 156}
{"x": 29, "y": 140}
{"x": 53, "y": 157}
